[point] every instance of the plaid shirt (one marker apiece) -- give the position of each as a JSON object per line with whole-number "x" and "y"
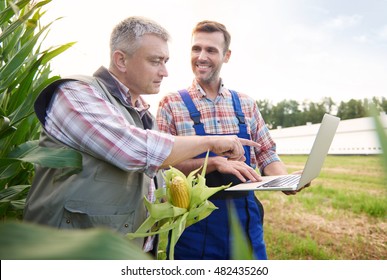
{"x": 218, "y": 117}
{"x": 103, "y": 132}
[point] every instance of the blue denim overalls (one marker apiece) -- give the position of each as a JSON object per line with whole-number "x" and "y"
{"x": 210, "y": 238}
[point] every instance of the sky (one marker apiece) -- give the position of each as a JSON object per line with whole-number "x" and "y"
{"x": 302, "y": 50}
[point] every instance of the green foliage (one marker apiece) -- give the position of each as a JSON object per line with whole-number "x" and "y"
{"x": 24, "y": 241}
{"x": 356, "y": 202}
{"x": 339, "y": 190}
{"x": 240, "y": 247}
{"x": 24, "y": 72}
{"x": 351, "y": 110}
{"x": 342, "y": 215}
{"x": 288, "y": 246}
{"x": 288, "y": 113}
{"x": 381, "y": 135}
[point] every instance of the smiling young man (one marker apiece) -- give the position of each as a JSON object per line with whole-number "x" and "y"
{"x": 207, "y": 107}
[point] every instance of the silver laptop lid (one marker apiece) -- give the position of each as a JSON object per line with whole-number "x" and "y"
{"x": 319, "y": 149}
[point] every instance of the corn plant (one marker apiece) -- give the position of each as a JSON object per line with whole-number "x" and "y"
{"x": 24, "y": 72}
{"x": 182, "y": 203}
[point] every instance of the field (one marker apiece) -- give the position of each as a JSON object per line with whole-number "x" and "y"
{"x": 342, "y": 215}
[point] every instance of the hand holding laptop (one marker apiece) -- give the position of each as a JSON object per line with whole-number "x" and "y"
{"x": 296, "y": 191}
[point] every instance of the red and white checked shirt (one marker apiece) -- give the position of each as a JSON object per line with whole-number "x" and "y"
{"x": 218, "y": 117}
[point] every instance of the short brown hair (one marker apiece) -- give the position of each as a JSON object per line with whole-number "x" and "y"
{"x": 213, "y": 26}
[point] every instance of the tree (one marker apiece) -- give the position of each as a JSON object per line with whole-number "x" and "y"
{"x": 314, "y": 112}
{"x": 351, "y": 110}
{"x": 286, "y": 113}
{"x": 265, "y": 107}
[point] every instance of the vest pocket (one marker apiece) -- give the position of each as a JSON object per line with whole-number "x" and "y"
{"x": 83, "y": 214}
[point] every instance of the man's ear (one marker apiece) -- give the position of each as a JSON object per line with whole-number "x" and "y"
{"x": 119, "y": 58}
{"x": 227, "y": 56}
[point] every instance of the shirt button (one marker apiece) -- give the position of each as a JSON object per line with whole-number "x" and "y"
{"x": 68, "y": 221}
{"x": 126, "y": 225}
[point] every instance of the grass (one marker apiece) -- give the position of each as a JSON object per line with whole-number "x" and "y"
{"x": 341, "y": 216}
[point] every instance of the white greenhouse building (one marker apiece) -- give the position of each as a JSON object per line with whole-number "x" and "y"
{"x": 353, "y": 137}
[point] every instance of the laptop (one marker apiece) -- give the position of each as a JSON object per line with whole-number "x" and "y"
{"x": 314, "y": 163}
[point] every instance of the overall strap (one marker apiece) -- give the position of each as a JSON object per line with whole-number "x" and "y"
{"x": 238, "y": 112}
{"x": 242, "y": 124}
{"x": 193, "y": 112}
{"x": 195, "y": 116}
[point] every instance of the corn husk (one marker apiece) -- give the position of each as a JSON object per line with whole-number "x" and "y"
{"x": 164, "y": 216}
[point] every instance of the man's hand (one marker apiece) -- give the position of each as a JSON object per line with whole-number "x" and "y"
{"x": 237, "y": 168}
{"x": 230, "y": 146}
{"x": 295, "y": 192}
{"x": 186, "y": 147}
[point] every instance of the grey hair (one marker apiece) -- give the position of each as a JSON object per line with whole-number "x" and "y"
{"x": 127, "y": 34}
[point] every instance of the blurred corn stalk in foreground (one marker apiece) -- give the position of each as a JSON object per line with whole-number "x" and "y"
{"x": 382, "y": 136}
{"x": 24, "y": 72}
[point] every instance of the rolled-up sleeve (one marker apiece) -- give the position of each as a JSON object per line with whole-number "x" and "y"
{"x": 82, "y": 118}
{"x": 266, "y": 153}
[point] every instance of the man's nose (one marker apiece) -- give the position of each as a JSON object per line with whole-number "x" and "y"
{"x": 202, "y": 55}
{"x": 164, "y": 71}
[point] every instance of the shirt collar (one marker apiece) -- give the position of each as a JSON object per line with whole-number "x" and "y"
{"x": 200, "y": 90}
{"x": 141, "y": 106}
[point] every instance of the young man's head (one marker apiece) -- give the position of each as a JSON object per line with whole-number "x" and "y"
{"x": 208, "y": 26}
{"x": 210, "y": 49}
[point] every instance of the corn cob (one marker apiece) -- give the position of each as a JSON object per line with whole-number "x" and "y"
{"x": 179, "y": 192}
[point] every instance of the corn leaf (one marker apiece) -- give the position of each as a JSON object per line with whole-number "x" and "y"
{"x": 11, "y": 10}
{"x": 9, "y": 13}
{"x": 164, "y": 210}
{"x": 201, "y": 212}
{"x": 240, "y": 247}
{"x": 176, "y": 233}
{"x": 49, "y": 157}
{"x": 11, "y": 68}
{"x": 8, "y": 168}
{"x": 200, "y": 192}
{"x": 24, "y": 241}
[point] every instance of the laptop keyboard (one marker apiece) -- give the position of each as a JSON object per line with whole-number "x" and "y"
{"x": 285, "y": 181}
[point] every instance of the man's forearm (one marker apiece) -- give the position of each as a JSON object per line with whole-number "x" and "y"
{"x": 192, "y": 164}
{"x": 275, "y": 168}
{"x": 187, "y": 147}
